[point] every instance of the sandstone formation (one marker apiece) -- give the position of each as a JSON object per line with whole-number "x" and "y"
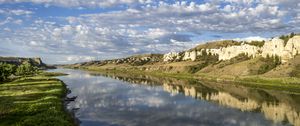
{"x": 190, "y": 56}
{"x": 172, "y": 56}
{"x": 293, "y": 45}
{"x": 274, "y": 47}
{"x": 233, "y": 51}
{"x": 284, "y": 51}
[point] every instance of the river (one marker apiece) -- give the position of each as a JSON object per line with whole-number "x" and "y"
{"x": 122, "y": 100}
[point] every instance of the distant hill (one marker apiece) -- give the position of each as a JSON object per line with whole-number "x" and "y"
{"x": 135, "y": 60}
{"x": 19, "y": 60}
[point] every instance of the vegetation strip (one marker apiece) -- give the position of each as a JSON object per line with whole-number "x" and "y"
{"x": 34, "y": 101}
{"x": 289, "y": 85}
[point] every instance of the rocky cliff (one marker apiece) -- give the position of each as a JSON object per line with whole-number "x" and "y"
{"x": 273, "y": 47}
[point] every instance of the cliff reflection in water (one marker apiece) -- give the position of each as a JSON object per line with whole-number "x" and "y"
{"x": 276, "y": 106}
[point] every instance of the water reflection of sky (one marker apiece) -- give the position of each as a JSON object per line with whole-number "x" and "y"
{"x": 108, "y": 102}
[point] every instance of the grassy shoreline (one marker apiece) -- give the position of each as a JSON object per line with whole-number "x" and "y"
{"x": 34, "y": 101}
{"x": 287, "y": 84}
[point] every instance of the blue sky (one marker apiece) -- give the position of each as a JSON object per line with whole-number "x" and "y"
{"x": 68, "y": 31}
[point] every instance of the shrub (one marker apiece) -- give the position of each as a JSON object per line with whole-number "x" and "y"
{"x": 296, "y": 71}
{"x": 6, "y": 70}
{"x": 206, "y": 58}
{"x": 269, "y": 64}
{"x": 26, "y": 69}
{"x": 139, "y": 62}
{"x": 287, "y": 37}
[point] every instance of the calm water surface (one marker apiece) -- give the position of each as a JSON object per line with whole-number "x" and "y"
{"x": 121, "y": 100}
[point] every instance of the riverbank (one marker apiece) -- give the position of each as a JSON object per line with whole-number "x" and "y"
{"x": 285, "y": 84}
{"x": 34, "y": 101}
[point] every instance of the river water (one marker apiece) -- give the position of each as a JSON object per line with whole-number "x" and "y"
{"x": 124, "y": 100}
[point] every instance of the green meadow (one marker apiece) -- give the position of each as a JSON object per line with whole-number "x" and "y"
{"x": 34, "y": 101}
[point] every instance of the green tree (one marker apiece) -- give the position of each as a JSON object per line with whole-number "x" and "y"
{"x": 26, "y": 69}
{"x": 292, "y": 35}
{"x": 6, "y": 70}
{"x": 206, "y": 59}
{"x": 269, "y": 63}
{"x": 277, "y": 60}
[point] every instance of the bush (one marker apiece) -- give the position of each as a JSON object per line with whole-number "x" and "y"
{"x": 196, "y": 68}
{"x": 206, "y": 58}
{"x": 269, "y": 64}
{"x": 26, "y": 69}
{"x": 139, "y": 62}
{"x": 6, "y": 70}
{"x": 287, "y": 37}
{"x": 296, "y": 71}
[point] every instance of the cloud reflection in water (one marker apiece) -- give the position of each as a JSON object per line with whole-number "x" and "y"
{"x": 106, "y": 101}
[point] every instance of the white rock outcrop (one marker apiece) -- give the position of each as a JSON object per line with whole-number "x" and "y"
{"x": 277, "y": 47}
{"x": 171, "y": 56}
{"x": 224, "y": 53}
{"x": 293, "y": 45}
{"x": 233, "y": 51}
{"x": 274, "y": 47}
{"x": 190, "y": 55}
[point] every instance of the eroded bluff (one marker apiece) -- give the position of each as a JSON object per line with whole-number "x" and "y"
{"x": 274, "y": 47}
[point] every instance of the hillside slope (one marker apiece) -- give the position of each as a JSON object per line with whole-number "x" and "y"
{"x": 289, "y": 69}
{"x": 273, "y": 58}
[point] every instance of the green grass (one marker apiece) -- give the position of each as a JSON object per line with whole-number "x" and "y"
{"x": 33, "y": 101}
{"x": 288, "y": 84}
